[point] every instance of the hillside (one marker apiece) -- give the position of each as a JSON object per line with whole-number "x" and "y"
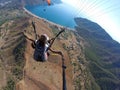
{"x": 91, "y": 55}
{"x": 16, "y": 54}
{"x": 43, "y": 76}
{"x": 23, "y": 72}
{"x": 102, "y": 53}
{"x": 12, "y": 45}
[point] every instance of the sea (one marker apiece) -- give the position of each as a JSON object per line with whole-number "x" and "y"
{"x": 62, "y": 14}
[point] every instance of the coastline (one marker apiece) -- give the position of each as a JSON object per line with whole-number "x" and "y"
{"x": 49, "y": 22}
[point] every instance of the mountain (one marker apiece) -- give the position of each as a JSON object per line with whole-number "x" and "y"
{"x": 91, "y": 55}
{"x": 102, "y": 53}
{"x": 19, "y": 71}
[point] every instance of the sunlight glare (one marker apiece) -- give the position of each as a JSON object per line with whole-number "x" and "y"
{"x": 105, "y": 13}
{"x": 71, "y": 2}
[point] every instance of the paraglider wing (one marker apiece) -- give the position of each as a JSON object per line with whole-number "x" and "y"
{"x": 49, "y": 2}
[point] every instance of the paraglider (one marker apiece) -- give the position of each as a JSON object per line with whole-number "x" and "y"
{"x": 48, "y": 2}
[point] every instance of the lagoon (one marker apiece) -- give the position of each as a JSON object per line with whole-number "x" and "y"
{"x": 62, "y": 13}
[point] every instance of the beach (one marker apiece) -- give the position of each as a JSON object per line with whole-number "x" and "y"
{"x": 49, "y": 22}
{"x": 41, "y": 18}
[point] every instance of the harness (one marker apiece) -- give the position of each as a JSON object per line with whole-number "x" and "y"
{"x": 40, "y": 51}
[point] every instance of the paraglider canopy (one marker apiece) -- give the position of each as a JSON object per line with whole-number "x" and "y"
{"x": 49, "y": 2}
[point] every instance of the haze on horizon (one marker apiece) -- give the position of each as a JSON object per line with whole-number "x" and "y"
{"x": 104, "y": 12}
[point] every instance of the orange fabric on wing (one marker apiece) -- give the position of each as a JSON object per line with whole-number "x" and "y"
{"x": 49, "y": 2}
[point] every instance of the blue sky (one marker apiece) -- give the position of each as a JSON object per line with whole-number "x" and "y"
{"x": 104, "y": 12}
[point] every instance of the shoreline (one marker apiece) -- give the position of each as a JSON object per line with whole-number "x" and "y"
{"x": 49, "y": 22}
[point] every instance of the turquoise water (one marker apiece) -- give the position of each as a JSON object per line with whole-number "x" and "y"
{"x": 62, "y": 14}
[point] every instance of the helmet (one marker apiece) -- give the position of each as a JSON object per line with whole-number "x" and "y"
{"x": 46, "y": 36}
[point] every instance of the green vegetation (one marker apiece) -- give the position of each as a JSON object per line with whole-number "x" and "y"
{"x": 7, "y": 15}
{"x": 64, "y": 35}
{"x": 14, "y": 41}
{"x": 10, "y": 84}
{"x": 10, "y": 16}
{"x": 54, "y": 30}
{"x": 18, "y": 72}
{"x": 102, "y": 54}
{"x": 15, "y": 46}
{"x": 64, "y": 46}
{"x": 11, "y": 11}
{"x": 19, "y": 59}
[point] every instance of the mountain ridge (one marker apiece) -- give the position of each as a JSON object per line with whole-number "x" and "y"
{"x": 91, "y": 55}
{"x": 103, "y": 53}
